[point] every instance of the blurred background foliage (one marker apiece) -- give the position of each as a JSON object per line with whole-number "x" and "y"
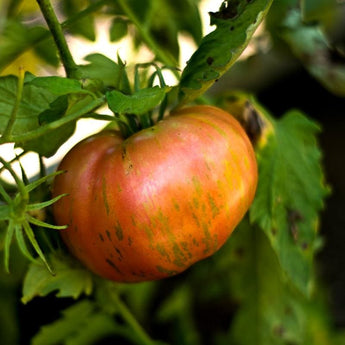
{"x": 241, "y": 295}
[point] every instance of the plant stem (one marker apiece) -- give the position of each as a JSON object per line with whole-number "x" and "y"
{"x": 148, "y": 39}
{"x": 10, "y": 123}
{"x": 59, "y": 38}
{"x": 132, "y": 322}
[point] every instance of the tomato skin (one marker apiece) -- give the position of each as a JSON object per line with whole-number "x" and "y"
{"x": 150, "y": 206}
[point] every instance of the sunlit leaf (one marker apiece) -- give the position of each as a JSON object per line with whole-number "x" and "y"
{"x": 58, "y": 85}
{"x": 235, "y": 23}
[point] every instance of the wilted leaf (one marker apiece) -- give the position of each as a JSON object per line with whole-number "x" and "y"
{"x": 235, "y": 23}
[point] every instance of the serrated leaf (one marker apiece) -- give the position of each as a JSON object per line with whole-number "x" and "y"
{"x": 290, "y": 195}
{"x": 69, "y": 279}
{"x": 235, "y": 23}
{"x": 138, "y": 103}
{"x": 81, "y": 324}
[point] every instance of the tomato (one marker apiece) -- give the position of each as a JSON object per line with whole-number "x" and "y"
{"x": 149, "y": 206}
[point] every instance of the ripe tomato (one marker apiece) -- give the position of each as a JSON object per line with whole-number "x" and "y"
{"x": 151, "y": 205}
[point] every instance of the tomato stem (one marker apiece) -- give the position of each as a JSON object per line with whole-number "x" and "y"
{"x": 147, "y": 37}
{"x": 59, "y": 38}
{"x": 11, "y": 121}
{"x": 132, "y": 322}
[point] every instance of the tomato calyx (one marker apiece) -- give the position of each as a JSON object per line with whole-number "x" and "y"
{"x": 21, "y": 214}
{"x": 143, "y": 106}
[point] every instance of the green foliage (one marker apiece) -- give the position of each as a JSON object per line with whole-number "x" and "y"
{"x": 68, "y": 280}
{"x": 310, "y": 44}
{"x": 80, "y": 324}
{"x": 261, "y": 287}
{"x": 235, "y": 24}
{"x": 290, "y": 194}
{"x": 138, "y": 103}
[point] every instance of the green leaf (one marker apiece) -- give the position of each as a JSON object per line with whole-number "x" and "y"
{"x": 69, "y": 279}
{"x": 138, "y": 103}
{"x": 166, "y": 19}
{"x": 58, "y": 85}
{"x": 309, "y": 43}
{"x": 15, "y": 39}
{"x": 85, "y": 26}
{"x": 81, "y": 324}
{"x": 235, "y": 23}
{"x": 118, "y": 29}
{"x": 47, "y": 144}
{"x": 163, "y": 21}
{"x": 34, "y": 101}
{"x": 290, "y": 195}
{"x": 46, "y": 48}
{"x": 110, "y": 73}
{"x": 269, "y": 311}
{"x": 265, "y": 301}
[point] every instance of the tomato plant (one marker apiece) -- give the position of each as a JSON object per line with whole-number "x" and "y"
{"x": 176, "y": 140}
{"x": 149, "y": 206}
